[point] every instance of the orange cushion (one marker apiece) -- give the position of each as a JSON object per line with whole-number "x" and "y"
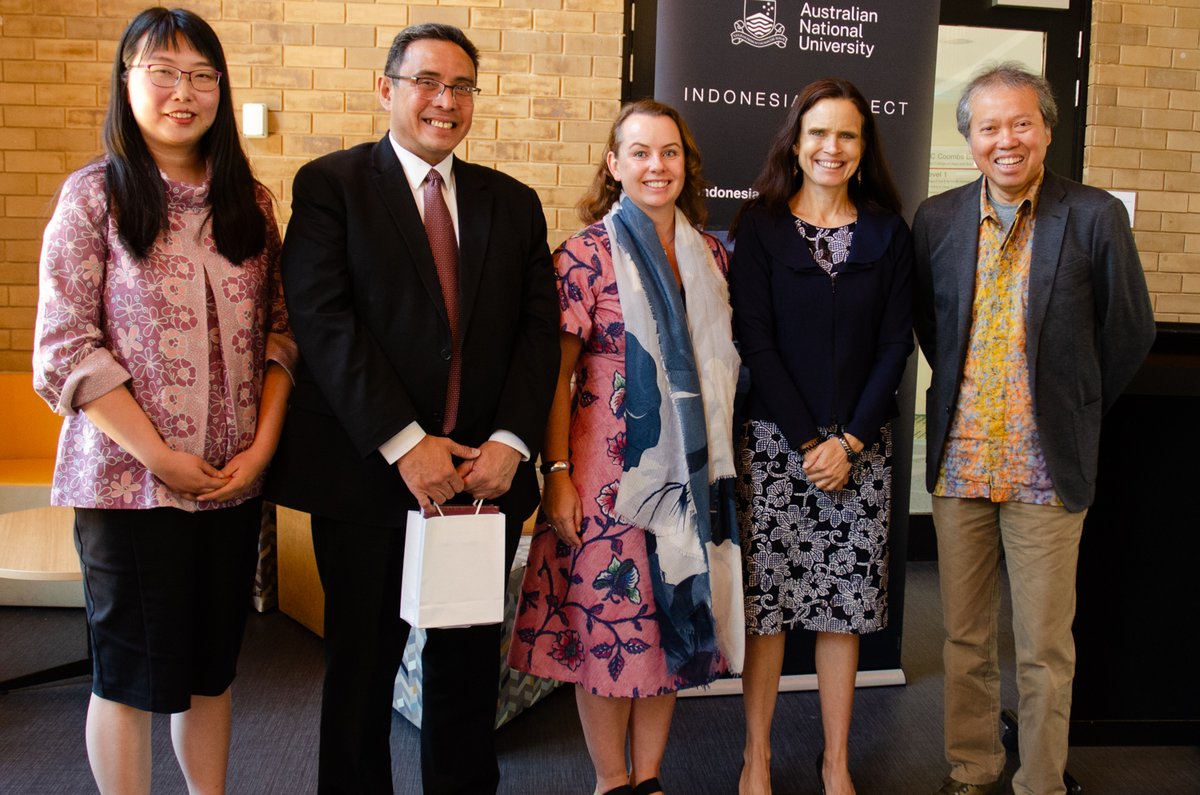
{"x": 26, "y": 471}
{"x": 28, "y": 428}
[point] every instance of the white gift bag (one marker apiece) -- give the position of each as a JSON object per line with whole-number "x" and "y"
{"x": 453, "y": 567}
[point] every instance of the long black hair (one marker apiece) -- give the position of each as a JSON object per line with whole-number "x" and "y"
{"x": 136, "y": 194}
{"x": 781, "y": 175}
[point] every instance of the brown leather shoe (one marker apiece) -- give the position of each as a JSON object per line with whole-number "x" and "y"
{"x": 952, "y": 787}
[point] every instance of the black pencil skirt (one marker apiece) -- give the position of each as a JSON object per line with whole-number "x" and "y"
{"x": 167, "y": 594}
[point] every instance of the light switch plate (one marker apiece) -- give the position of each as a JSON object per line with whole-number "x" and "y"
{"x": 254, "y": 120}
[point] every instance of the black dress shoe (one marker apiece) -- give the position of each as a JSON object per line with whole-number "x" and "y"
{"x": 624, "y": 789}
{"x": 952, "y": 787}
{"x": 648, "y": 787}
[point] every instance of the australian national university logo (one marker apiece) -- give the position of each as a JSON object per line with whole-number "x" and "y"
{"x": 757, "y": 27}
{"x": 829, "y": 28}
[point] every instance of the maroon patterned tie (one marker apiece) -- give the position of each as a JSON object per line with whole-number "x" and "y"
{"x": 440, "y": 230}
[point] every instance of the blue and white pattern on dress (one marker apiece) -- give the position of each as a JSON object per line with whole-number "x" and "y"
{"x": 680, "y": 364}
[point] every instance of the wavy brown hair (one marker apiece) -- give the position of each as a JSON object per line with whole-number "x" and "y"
{"x": 605, "y": 190}
{"x": 781, "y": 175}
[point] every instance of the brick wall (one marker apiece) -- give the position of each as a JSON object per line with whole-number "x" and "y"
{"x": 1143, "y": 135}
{"x": 550, "y": 71}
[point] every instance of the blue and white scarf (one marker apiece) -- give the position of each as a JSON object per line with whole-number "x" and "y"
{"x": 677, "y": 481}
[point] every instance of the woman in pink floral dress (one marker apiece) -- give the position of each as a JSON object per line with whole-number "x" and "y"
{"x": 607, "y": 602}
{"x": 162, "y": 337}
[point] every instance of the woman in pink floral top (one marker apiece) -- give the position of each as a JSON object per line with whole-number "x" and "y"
{"x": 602, "y": 605}
{"x": 162, "y": 337}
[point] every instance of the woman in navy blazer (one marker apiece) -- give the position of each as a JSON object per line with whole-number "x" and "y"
{"x": 820, "y": 284}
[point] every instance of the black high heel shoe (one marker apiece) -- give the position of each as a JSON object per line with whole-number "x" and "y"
{"x": 821, "y": 770}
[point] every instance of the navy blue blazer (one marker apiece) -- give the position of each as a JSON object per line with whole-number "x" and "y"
{"x": 822, "y": 351}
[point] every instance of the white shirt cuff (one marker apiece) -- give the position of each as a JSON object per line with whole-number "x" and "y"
{"x": 394, "y": 449}
{"x": 512, "y": 440}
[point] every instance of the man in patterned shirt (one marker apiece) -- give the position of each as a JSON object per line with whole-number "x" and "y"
{"x": 1032, "y": 309}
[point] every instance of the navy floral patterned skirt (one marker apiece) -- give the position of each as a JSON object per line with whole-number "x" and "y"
{"x": 814, "y": 559}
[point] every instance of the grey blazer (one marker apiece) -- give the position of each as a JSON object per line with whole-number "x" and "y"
{"x": 1089, "y": 322}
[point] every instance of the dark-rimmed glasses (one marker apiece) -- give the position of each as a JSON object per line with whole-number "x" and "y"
{"x": 165, "y": 76}
{"x": 434, "y": 88}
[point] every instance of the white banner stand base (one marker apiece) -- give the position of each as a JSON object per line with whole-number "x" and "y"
{"x": 732, "y": 685}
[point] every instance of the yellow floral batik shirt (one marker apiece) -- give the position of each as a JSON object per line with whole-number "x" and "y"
{"x": 992, "y": 449}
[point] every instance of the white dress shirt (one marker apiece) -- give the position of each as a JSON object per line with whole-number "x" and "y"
{"x": 415, "y": 171}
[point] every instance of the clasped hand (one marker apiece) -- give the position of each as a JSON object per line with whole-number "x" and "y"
{"x": 827, "y": 465}
{"x": 188, "y": 475}
{"x": 242, "y": 472}
{"x": 195, "y": 479}
{"x": 429, "y": 471}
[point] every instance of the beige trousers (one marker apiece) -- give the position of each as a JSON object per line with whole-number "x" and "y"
{"x": 1041, "y": 549}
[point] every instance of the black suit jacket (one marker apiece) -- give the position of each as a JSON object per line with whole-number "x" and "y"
{"x": 1089, "y": 323}
{"x": 374, "y": 339}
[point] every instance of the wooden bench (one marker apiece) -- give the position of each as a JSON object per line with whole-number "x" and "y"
{"x": 39, "y": 544}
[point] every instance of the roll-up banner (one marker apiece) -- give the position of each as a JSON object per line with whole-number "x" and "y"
{"x": 733, "y": 68}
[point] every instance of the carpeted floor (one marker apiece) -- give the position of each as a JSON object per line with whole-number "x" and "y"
{"x": 896, "y": 742}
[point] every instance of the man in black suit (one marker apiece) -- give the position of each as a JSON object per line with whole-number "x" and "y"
{"x": 1032, "y": 309}
{"x": 429, "y": 363}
